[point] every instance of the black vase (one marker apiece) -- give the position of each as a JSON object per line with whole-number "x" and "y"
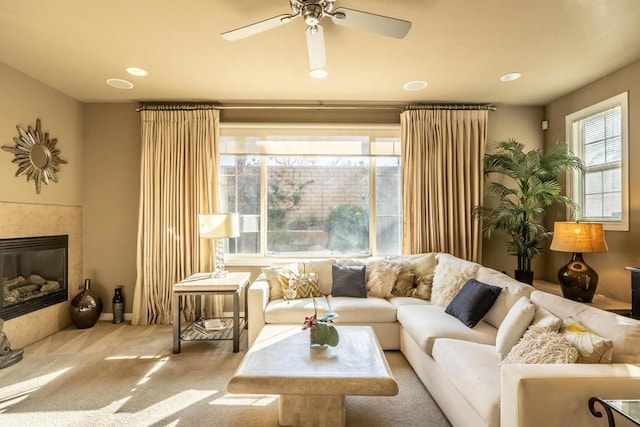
{"x": 85, "y": 307}
{"x": 118, "y": 306}
{"x": 524, "y": 276}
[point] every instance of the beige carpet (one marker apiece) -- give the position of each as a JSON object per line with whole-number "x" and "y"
{"x": 122, "y": 375}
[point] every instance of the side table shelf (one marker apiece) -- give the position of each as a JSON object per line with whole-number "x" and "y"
{"x": 234, "y": 284}
{"x": 629, "y": 409}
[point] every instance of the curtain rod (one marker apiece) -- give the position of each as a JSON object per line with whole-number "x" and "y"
{"x": 452, "y": 107}
{"x": 160, "y": 107}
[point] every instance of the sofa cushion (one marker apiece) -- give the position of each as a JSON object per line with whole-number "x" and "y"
{"x": 592, "y": 348}
{"x": 472, "y": 302}
{"x": 541, "y": 345}
{"x": 513, "y": 326}
{"x": 400, "y": 301}
{"x": 322, "y": 268}
{"x": 449, "y": 276}
{"x": 348, "y": 281}
{"x": 362, "y": 310}
{"x": 622, "y": 331}
{"x": 512, "y": 291}
{"x": 426, "y": 323}
{"x": 294, "y": 311}
{"x": 473, "y": 369}
{"x": 302, "y": 285}
{"x": 546, "y": 319}
{"x": 278, "y": 278}
{"x": 381, "y": 278}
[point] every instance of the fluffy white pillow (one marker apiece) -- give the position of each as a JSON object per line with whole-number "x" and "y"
{"x": 592, "y": 348}
{"x": 541, "y": 345}
{"x": 513, "y": 326}
{"x": 448, "y": 279}
{"x": 381, "y": 278}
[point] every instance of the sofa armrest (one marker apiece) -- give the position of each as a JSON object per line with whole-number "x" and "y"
{"x": 558, "y": 395}
{"x": 257, "y": 300}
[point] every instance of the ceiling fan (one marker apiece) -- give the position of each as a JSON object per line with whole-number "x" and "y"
{"x": 313, "y": 11}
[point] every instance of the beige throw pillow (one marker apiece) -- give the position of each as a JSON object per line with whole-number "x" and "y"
{"x": 302, "y": 286}
{"x": 381, "y": 278}
{"x": 448, "y": 279}
{"x": 278, "y": 278}
{"x": 541, "y": 345}
{"x": 591, "y": 347}
{"x": 513, "y": 326}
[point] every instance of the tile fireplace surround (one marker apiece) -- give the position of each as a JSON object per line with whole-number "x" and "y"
{"x": 30, "y": 220}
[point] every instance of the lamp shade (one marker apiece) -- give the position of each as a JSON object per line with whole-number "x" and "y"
{"x": 580, "y": 237}
{"x": 219, "y": 225}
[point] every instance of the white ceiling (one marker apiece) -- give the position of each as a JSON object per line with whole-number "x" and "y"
{"x": 460, "y": 47}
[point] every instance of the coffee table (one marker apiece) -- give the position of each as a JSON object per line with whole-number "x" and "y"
{"x": 313, "y": 382}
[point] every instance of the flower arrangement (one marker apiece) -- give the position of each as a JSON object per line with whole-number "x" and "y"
{"x": 322, "y": 332}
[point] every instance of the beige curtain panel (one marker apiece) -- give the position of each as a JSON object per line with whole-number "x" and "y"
{"x": 442, "y": 154}
{"x": 177, "y": 181}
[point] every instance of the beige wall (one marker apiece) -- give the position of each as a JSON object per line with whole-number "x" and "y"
{"x": 111, "y": 198}
{"x": 57, "y": 209}
{"x": 623, "y": 245}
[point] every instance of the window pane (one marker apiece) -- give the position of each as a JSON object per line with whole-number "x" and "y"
{"x": 593, "y": 182}
{"x": 612, "y": 205}
{"x": 593, "y": 206}
{"x": 594, "y": 154}
{"x": 612, "y": 180}
{"x": 318, "y": 204}
{"x": 614, "y": 149}
{"x": 388, "y": 205}
{"x": 594, "y": 129}
{"x": 240, "y": 192}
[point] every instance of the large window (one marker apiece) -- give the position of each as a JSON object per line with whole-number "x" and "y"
{"x": 598, "y": 135}
{"x": 312, "y": 191}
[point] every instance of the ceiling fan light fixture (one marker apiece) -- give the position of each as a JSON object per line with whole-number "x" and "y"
{"x": 509, "y": 77}
{"x": 414, "y": 85}
{"x": 318, "y": 73}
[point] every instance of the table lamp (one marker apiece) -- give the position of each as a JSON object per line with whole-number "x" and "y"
{"x": 219, "y": 226}
{"x": 578, "y": 281}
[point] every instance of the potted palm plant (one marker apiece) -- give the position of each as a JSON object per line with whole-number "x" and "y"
{"x": 522, "y": 198}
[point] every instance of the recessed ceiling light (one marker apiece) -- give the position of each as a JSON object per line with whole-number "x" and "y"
{"x": 318, "y": 73}
{"x": 135, "y": 71}
{"x": 510, "y": 77}
{"x": 120, "y": 84}
{"x": 414, "y": 85}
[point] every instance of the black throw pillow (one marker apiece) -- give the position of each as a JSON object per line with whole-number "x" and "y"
{"x": 473, "y": 301}
{"x": 348, "y": 281}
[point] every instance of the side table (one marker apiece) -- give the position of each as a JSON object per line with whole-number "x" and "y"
{"x": 599, "y": 301}
{"x": 629, "y": 409}
{"x": 202, "y": 284}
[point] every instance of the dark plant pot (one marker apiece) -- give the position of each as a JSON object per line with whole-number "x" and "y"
{"x": 524, "y": 276}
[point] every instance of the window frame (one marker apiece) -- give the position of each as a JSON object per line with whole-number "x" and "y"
{"x": 264, "y": 257}
{"x": 575, "y": 180}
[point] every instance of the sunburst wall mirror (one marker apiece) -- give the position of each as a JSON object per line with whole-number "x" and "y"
{"x": 36, "y": 155}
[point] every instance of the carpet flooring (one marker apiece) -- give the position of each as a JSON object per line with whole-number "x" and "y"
{"x": 123, "y": 375}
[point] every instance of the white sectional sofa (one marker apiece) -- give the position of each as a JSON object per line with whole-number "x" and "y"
{"x": 459, "y": 365}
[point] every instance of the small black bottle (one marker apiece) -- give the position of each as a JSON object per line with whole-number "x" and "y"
{"x": 118, "y": 306}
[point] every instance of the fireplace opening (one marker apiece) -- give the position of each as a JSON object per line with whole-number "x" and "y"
{"x": 33, "y": 271}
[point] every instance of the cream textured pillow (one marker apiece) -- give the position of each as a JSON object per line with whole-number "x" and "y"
{"x": 513, "y": 326}
{"x": 448, "y": 279}
{"x": 381, "y": 278}
{"x": 278, "y": 278}
{"x": 541, "y": 345}
{"x": 592, "y": 348}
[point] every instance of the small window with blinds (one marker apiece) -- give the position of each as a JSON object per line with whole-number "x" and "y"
{"x": 599, "y": 136}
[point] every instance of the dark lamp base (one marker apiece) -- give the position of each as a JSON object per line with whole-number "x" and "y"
{"x": 577, "y": 280}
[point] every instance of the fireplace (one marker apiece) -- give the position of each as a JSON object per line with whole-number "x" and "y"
{"x": 33, "y": 274}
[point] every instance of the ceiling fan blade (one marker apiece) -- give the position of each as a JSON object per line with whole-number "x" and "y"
{"x": 258, "y": 27}
{"x": 315, "y": 46}
{"x": 384, "y": 25}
